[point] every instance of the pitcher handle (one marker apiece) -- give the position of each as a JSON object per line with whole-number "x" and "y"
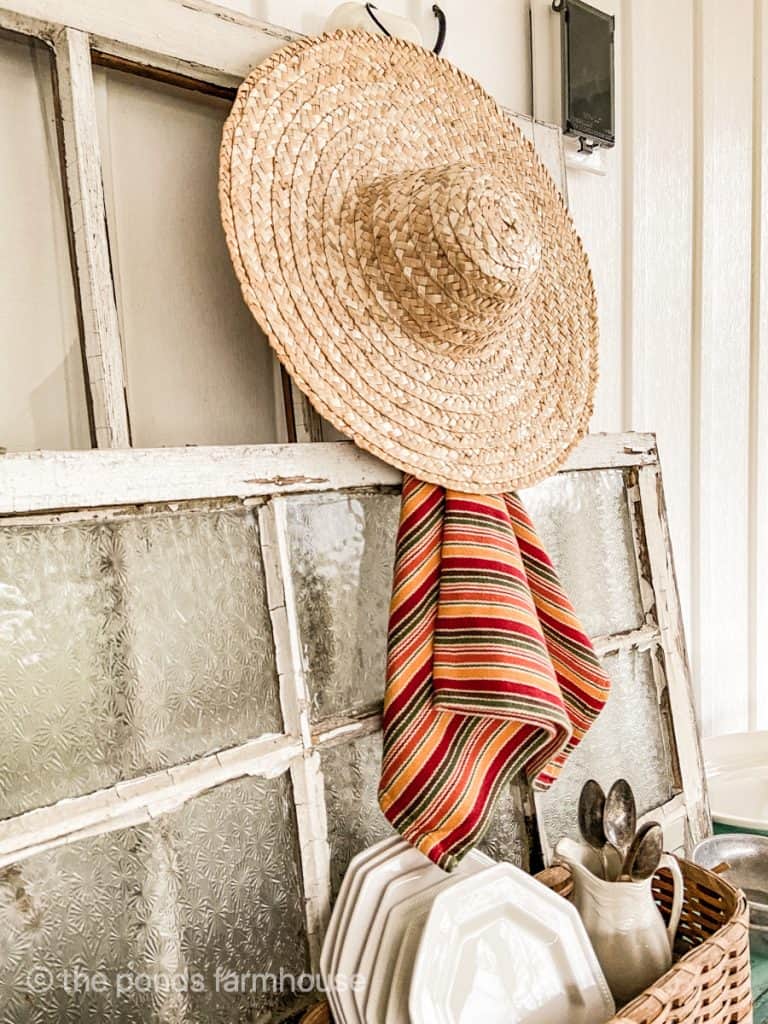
{"x": 678, "y": 891}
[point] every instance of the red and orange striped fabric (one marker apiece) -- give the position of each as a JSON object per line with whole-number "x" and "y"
{"x": 489, "y": 671}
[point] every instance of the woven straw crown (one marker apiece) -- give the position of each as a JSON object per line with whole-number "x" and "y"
{"x": 410, "y": 260}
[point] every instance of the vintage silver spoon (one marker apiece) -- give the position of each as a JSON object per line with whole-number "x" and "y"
{"x": 644, "y": 852}
{"x": 591, "y": 812}
{"x": 620, "y": 817}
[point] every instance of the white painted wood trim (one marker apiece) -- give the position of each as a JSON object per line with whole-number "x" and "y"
{"x": 758, "y": 704}
{"x": 41, "y": 481}
{"x": 722, "y": 385}
{"x": 146, "y": 797}
{"x": 673, "y": 817}
{"x": 655, "y": 576}
{"x": 314, "y": 851}
{"x": 139, "y": 800}
{"x": 85, "y": 194}
{"x": 669, "y": 618}
{"x": 281, "y": 600}
{"x": 686, "y": 817}
{"x": 191, "y": 37}
{"x": 306, "y": 419}
{"x": 331, "y": 732}
{"x": 295, "y": 699}
{"x": 641, "y": 639}
{"x": 298, "y": 751}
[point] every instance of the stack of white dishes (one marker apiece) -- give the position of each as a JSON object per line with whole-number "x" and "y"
{"x": 487, "y": 944}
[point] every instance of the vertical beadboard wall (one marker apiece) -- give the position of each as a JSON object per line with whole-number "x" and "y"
{"x": 758, "y": 462}
{"x": 696, "y": 322}
{"x": 720, "y": 517}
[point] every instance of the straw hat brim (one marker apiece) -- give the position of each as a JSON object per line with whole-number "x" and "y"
{"x": 311, "y": 125}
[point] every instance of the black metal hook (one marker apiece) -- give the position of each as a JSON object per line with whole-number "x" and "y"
{"x": 371, "y": 8}
{"x": 438, "y": 13}
{"x": 441, "y": 27}
{"x": 558, "y": 6}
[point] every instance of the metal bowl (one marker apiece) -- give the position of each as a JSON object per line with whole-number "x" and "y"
{"x": 747, "y": 856}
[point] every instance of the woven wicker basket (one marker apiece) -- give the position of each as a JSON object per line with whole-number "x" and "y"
{"x": 709, "y": 983}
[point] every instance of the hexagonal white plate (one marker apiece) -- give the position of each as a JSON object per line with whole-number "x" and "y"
{"x": 363, "y": 898}
{"x": 394, "y": 893}
{"x": 388, "y": 847}
{"x": 501, "y": 948}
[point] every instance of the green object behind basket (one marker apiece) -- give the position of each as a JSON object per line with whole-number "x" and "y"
{"x": 722, "y": 830}
{"x": 760, "y": 988}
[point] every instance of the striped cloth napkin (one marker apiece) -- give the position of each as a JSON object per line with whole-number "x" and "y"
{"x": 489, "y": 671}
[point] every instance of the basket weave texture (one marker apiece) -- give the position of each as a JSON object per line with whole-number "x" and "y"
{"x": 710, "y": 981}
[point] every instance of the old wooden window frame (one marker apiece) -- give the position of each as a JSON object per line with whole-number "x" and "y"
{"x": 54, "y": 487}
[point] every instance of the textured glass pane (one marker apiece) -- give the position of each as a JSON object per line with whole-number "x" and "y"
{"x": 506, "y": 838}
{"x": 355, "y": 822}
{"x": 342, "y": 552}
{"x": 129, "y": 645}
{"x": 199, "y": 370}
{"x": 584, "y": 523}
{"x": 42, "y": 391}
{"x": 628, "y": 740}
{"x": 134, "y": 926}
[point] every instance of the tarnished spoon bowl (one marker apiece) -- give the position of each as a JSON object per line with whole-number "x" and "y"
{"x": 620, "y": 816}
{"x": 591, "y": 807}
{"x": 644, "y": 852}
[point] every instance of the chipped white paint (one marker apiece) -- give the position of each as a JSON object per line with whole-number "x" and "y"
{"x": 294, "y": 695}
{"x": 635, "y": 640}
{"x": 295, "y": 700}
{"x": 314, "y": 851}
{"x": 39, "y": 481}
{"x": 307, "y": 421}
{"x": 330, "y": 732}
{"x": 69, "y": 480}
{"x": 673, "y": 817}
{"x": 103, "y": 352}
{"x": 139, "y": 800}
{"x": 668, "y": 616}
{"x": 194, "y": 38}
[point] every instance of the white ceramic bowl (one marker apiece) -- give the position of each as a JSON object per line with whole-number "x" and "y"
{"x": 737, "y": 777}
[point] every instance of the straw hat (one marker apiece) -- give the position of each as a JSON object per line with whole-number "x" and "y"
{"x": 410, "y": 260}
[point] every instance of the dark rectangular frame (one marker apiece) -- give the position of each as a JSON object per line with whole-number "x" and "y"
{"x": 571, "y": 126}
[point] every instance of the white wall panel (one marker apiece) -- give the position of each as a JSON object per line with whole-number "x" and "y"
{"x": 42, "y": 394}
{"x": 720, "y": 515}
{"x": 658, "y": 247}
{"x": 489, "y": 40}
{"x": 759, "y": 462}
{"x": 198, "y": 368}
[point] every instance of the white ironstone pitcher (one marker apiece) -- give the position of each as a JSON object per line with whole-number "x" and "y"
{"x": 630, "y": 938}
